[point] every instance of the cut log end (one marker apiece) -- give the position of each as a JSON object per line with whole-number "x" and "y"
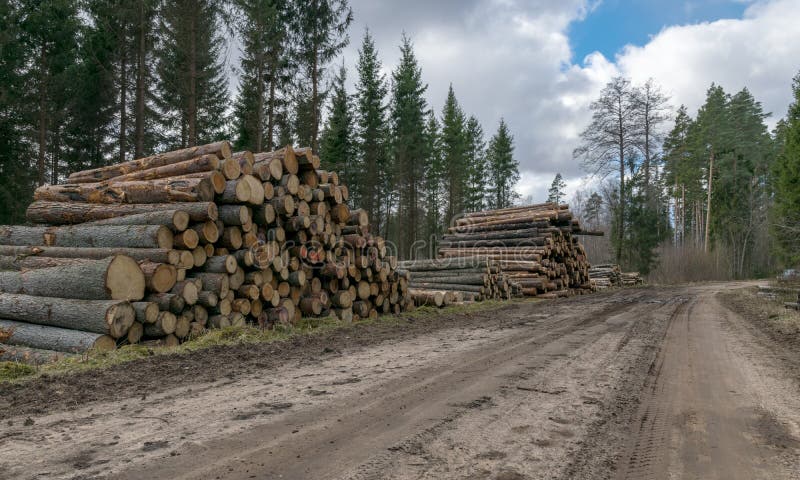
{"x": 124, "y": 279}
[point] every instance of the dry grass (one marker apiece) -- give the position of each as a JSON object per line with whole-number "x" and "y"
{"x": 12, "y": 371}
{"x": 771, "y": 312}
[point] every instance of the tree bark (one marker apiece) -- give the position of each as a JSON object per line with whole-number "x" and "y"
{"x": 116, "y": 236}
{"x": 707, "y": 236}
{"x": 23, "y": 253}
{"x": 110, "y": 317}
{"x": 177, "y": 220}
{"x": 152, "y": 191}
{"x": 114, "y": 278}
{"x": 56, "y": 339}
{"x": 219, "y": 149}
{"x": 57, "y": 213}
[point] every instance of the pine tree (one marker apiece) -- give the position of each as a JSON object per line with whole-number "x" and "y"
{"x": 321, "y": 34}
{"x": 683, "y": 176}
{"x": 434, "y": 172}
{"x": 17, "y": 178}
{"x": 710, "y": 138}
{"x": 49, "y": 30}
{"x": 372, "y": 177}
{"x": 503, "y": 168}
{"x": 475, "y": 197}
{"x": 453, "y": 140}
{"x": 408, "y": 110}
{"x": 556, "y": 192}
{"x": 264, "y": 71}
{"x": 786, "y": 183}
{"x": 192, "y": 87}
{"x": 338, "y": 142}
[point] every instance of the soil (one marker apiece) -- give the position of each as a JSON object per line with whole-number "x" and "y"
{"x": 640, "y": 383}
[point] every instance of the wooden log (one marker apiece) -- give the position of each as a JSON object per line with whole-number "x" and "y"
{"x": 153, "y": 191}
{"x": 205, "y": 163}
{"x": 186, "y": 289}
{"x": 57, "y": 213}
{"x": 182, "y": 325}
{"x": 220, "y": 149}
{"x": 164, "y": 325}
{"x": 187, "y": 240}
{"x": 168, "y": 302}
{"x": 207, "y": 232}
{"x": 230, "y": 168}
{"x": 236, "y": 191}
{"x": 110, "y": 317}
{"x": 159, "y": 277}
{"x": 114, "y": 278}
{"x": 33, "y": 356}
{"x": 218, "y": 283}
{"x": 285, "y": 155}
{"x": 177, "y": 220}
{"x": 221, "y": 264}
{"x": 146, "y": 312}
{"x": 54, "y": 338}
{"x": 217, "y": 179}
{"x": 428, "y": 297}
{"x": 131, "y": 236}
{"x": 256, "y": 190}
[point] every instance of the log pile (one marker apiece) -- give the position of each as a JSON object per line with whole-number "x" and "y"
{"x": 606, "y": 276}
{"x": 442, "y": 282}
{"x": 611, "y": 276}
{"x": 534, "y": 246}
{"x": 217, "y": 238}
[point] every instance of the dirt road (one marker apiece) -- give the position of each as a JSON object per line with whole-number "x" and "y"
{"x": 636, "y": 384}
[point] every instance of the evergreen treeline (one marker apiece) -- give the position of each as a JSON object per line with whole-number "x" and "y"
{"x": 85, "y": 83}
{"x": 717, "y": 186}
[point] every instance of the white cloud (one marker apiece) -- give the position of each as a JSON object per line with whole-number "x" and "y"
{"x": 512, "y": 58}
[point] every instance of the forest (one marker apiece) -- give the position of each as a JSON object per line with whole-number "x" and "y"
{"x": 681, "y": 195}
{"x": 709, "y": 195}
{"x": 92, "y": 82}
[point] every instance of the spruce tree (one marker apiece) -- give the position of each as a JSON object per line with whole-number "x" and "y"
{"x": 454, "y": 155}
{"x": 264, "y": 71}
{"x": 433, "y": 191}
{"x": 192, "y": 86}
{"x": 338, "y": 143}
{"x": 372, "y": 174}
{"x": 785, "y": 218}
{"x": 503, "y": 168}
{"x": 476, "y": 167}
{"x": 17, "y": 176}
{"x": 320, "y": 28}
{"x": 49, "y": 31}
{"x": 408, "y": 111}
{"x": 556, "y": 192}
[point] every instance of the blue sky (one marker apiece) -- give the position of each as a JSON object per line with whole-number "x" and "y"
{"x": 615, "y": 23}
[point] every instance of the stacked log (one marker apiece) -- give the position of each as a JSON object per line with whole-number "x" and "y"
{"x": 443, "y": 282}
{"x": 220, "y": 239}
{"x": 535, "y": 246}
{"x": 606, "y": 276}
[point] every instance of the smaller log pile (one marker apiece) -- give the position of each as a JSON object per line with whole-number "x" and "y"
{"x": 442, "y": 282}
{"x": 207, "y": 238}
{"x": 611, "y": 276}
{"x": 535, "y": 246}
{"x": 606, "y": 276}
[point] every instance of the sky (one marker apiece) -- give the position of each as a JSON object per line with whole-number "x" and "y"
{"x": 540, "y": 63}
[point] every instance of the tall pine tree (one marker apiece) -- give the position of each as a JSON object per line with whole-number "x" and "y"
{"x": 372, "y": 176}
{"x": 320, "y": 28}
{"x": 454, "y": 155}
{"x": 476, "y": 167}
{"x": 264, "y": 71}
{"x": 338, "y": 142}
{"x": 408, "y": 110}
{"x": 786, "y": 183}
{"x": 192, "y": 86}
{"x": 556, "y": 192}
{"x": 433, "y": 191}
{"x": 503, "y": 168}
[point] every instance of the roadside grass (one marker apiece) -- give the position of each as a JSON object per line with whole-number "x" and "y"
{"x": 92, "y": 360}
{"x": 771, "y": 312}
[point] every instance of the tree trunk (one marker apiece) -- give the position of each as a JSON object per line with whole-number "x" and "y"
{"x": 141, "y": 59}
{"x": 204, "y": 163}
{"x": 192, "y": 100}
{"x": 54, "y": 338}
{"x": 58, "y": 213}
{"x": 108, "y": 317}
{"x": 34, "y": 356}
{"x": 42, "y": 127}
{"x": 707, "y": 235}
{"x": 220, "y": 149}
{"x": 177, "y": 220}
{"x": 118, "y": 236}
{"x": 24, "y": 254}
{"x": 123, "y": 96}
{"x": 152, "y": 191}
{"x": 159, "y": 277}
{"x": 164, "y": 325}
{"x": 167, "y": 302}
{"x": 114, "y": 278}
{"x": 146, "y": 312}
